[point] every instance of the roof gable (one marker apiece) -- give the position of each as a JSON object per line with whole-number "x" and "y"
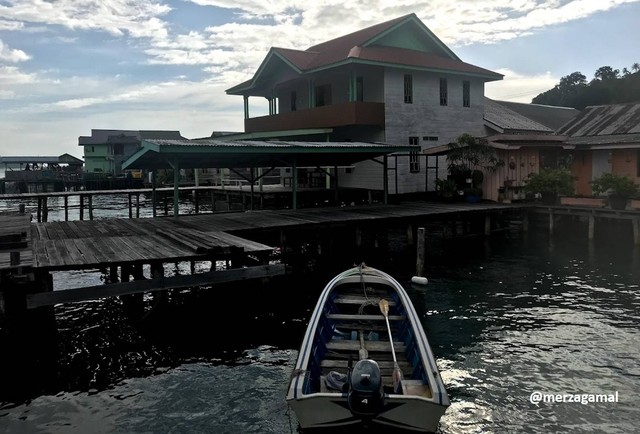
{"x": 403, "y": 41}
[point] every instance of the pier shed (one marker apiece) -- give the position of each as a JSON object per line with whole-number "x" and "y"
{"x": 271, "y": 154}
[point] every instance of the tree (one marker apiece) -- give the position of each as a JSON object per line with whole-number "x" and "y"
{"x": 636, "y": 67}
{"x": 605, "y": 73}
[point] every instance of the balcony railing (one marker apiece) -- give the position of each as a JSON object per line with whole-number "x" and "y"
{"x": 337, "y": 115}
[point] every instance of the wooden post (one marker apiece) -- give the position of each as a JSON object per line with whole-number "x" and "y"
{"x": 66, "y": 208}
{"x": 487, "y": 224}
{"x": 385, "y": 179}
{"x": 252, "y": 182}
{"x": 166, "y": 203}
{"x": 294, "y": 184}
{"x": 45, "y": 209}
{"x": 90, "y": 207}
{"x": 551, "y": 222}
{"x": 81, "y": 207}
{"x": 213, "y": 200}
{"x": 636, "y": 230}
{"x": 592, "y": 224}
{"x": 420, "y": 252}
{"x": 137, "y": 205}
{"x": 153, "y": 192}
{"x": 113, "y": 274}
{"x": 196, "y": 201}
{"x": 130, "y": 205}
{"x": 176, "y": 188}
{"x": 21, "y": 208}
{"x": 14, "y": 258}
{"x": 39, "y": 212}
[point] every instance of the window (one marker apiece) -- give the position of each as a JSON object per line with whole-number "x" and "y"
{"x": 466, "y": 94}
{"x": 359, "y": 89}
{"x": 414, "y": 157}
{"x": 93, "y": 149}
{"x": 430, "y": 138}
{"x": 294, "y": 98}
{"x": 408, "y": 89}
{"x": 443, "y": 91}
{"x": 323, "y": 95}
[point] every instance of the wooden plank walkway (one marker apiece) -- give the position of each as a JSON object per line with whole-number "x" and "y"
{"x": 87, "y": 244}
{"x": 15, "y": 236}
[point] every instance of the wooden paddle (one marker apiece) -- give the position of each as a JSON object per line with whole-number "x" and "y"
{"x": 397, "y": 372}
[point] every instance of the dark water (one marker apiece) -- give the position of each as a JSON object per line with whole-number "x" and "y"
{"x": 505, "y": 318}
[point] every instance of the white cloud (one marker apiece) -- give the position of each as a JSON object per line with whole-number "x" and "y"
{"x": 10, "y": 25}
{"x": 517, "y": 87}
{"x": 11, "y": 75}
{"x": 138, "y": 18}
{"x": 12, "y": 55}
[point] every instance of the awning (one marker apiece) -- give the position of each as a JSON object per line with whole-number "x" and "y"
{"x": 189, "y": 154}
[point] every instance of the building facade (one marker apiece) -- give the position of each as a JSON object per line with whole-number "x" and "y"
{"x": 106, "y": 150}
{"x": 394, "y": 82}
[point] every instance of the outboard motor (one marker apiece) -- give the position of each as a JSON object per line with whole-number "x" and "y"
{"x": 366, "y": 393}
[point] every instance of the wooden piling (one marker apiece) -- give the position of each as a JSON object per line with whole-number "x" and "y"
{"x": 592, "y": 224}
{"x": 90, "y": 206}
{"x": 420, "y": 252}
{"x": 487, "y": 224}
{"x": 66, "y": 208}
{"x": 636, "y": 230}
{"x": 82, "y": 207}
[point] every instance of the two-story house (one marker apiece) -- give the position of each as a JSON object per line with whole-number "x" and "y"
{"x": 105, "y": 150}
{"x": 394, "y": 82}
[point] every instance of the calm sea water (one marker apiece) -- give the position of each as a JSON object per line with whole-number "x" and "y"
{"x": 505, "y": 317}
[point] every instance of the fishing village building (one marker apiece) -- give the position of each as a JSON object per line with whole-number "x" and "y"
{"x": 394, "y": 82}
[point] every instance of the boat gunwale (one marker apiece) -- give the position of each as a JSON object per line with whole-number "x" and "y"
{"x": 369, "y": 275}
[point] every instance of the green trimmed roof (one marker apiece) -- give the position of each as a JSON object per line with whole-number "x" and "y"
{"x": 163, "y": 154}
{"x": 402, "y": 42}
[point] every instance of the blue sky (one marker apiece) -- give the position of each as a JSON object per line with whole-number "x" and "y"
{"x": 67, "y": 66}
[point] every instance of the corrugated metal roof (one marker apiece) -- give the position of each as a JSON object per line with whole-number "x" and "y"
{"x": 509, "y": 121}
{"x": 549, "y": 116}
{"x": 99, "y": 137}
{"x": 160, "y": 154}
{"x": 41, "y": 159}
{"x": 604, "y": 120}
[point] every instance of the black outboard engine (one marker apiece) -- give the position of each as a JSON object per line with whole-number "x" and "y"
{"x": 366, "y": 393}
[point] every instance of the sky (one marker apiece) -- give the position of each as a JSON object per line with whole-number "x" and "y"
{"x": 70, "y": 66}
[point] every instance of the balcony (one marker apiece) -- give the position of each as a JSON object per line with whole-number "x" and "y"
{"x": 337, "y": 115}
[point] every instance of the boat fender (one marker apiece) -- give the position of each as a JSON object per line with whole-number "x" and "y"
{"x": 419, "y": 280}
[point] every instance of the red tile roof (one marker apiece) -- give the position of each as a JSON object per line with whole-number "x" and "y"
{"x": 354, "y": 47}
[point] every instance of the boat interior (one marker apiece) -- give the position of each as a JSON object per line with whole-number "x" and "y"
{"x": 352, "y": 327}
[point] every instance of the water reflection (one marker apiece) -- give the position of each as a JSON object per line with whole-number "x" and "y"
{"x": 503, "y": 322}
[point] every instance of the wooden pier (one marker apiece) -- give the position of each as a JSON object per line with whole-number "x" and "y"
{"x": 244, "y": 241}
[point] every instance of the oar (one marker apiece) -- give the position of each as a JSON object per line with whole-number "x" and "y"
{"x": 362, "y": 352}
{"x": 397, "y": 373}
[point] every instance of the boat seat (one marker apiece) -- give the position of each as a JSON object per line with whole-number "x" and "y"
{"x": 416, "y": 388}
{"x": 352, "y": 317}
{"x": 379, "y": 346}
{"x": 357, "y": 299}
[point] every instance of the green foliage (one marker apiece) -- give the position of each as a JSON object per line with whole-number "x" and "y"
{"x": 620, "y": 185}
{"x": 468, "y": 157}
{"x": 607, "y": 87}
{"x": 446, "y": 187}
{"x": 554, "y": 181}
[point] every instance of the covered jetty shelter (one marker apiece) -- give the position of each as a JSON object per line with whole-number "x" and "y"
{"x": 242, "y": 154}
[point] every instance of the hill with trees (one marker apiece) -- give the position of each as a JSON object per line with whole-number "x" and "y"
{"x": 608, "y": 86}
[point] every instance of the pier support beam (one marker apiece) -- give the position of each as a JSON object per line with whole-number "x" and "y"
{"x": 420, "y": 252}
{"x": 592, "y": 224}
{"x": 636, "y": 231}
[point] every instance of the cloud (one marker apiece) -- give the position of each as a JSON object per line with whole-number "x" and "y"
{"x": 11, "y": 75}
{"x": 137, "y": 18}
{"x": 11, "y": 55}
{"x": 517, "y": 87}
